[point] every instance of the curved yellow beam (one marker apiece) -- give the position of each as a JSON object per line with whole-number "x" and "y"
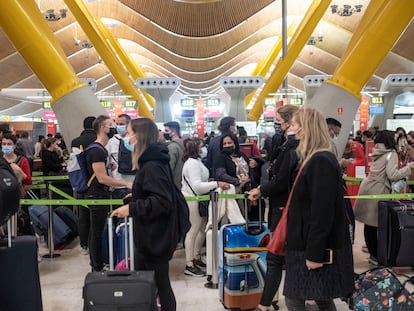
{"x": 359, "y": 64}
{"x": 89, "y": 26}
{"x": 370, "y": 14}
{"x": 298, "y": 41}
{"x": 130, "y": 65}
{"x": 263, "y": 66}
{"x": 36, "y": 43}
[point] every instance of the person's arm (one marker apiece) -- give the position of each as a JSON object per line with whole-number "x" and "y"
{"x": 24, "y": 165}
{"x": 99, "y": 170}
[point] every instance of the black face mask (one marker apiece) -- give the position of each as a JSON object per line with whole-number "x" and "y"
{"x": 111, "y": 132}
{"x": 229, "y": 150}
{"x": 167, "y": 136}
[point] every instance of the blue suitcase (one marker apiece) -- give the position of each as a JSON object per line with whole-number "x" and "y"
{"x": 69, "y": 218}
{"x": 242, "y": 264}
{"x": 39, "y": 216}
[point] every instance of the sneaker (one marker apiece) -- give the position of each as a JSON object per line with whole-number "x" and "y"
{"x": 193, "y": 271}
{"x": 364, "y": 249}
{"x": 373, "y": 261}
{"x": 85, "y": 251}
{"x": 199, "y": 263}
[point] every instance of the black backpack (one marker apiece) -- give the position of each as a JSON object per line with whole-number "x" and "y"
{"x": 124, "y": 159}
{"x": 9, "y": 192}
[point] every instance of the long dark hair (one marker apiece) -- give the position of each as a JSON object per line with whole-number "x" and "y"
{"x": 234, "y": 139}
{"x": 387, "y": 138}
{"x": 192, "y": 148}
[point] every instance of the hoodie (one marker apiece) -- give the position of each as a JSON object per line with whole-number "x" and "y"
{"x": 152, "y": 206}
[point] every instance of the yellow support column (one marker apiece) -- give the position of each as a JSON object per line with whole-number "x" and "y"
{"x": 263, "y": 66}
{"x": 90, "y": 27}
{"x": 37, "y": 44}
{"x": 298, "y": 41}
{"x": 72, "y": 100}
{"x": 364, "y": 56}
{"x": 130, "y": 65}
{"x": 339, "y": 96}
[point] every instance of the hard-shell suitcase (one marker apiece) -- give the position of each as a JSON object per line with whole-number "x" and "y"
{"x": 69, "y": 217}
{"x": 242, "y": 263}
{"x": 19, "y": 273}
{"x": 120, "y": 290}
{"x": 39, "y": 215}
{"x": 396, "y": 233}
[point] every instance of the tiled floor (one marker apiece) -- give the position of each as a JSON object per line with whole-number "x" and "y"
{"x": 62, "y": 280}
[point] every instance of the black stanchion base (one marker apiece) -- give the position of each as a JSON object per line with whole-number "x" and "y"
{"x": 211, "y": 285}
{"x": 54, "y": 255}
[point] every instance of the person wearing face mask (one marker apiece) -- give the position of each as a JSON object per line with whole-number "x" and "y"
{"x": 87, "y": 137}
{"x": 119, "y": 152}
{"x": 195, "y": 182}
{"x": 277, "y": 190}
{"x": 232, "y": 165}
{"x": 175, "y": 150}
{"x": 18, "y": 163}
{"x": 97, "y": 164}
{"x": 227, "y": 126}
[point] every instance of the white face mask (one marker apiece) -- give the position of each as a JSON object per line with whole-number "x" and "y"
{"x": 290, "y": 133}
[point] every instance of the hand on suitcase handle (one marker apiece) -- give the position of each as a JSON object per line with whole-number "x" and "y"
{"x": 122, "y": 211}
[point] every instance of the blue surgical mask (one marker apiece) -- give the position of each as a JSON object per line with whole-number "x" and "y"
{"x": 7, "y": 149}
{"x": 235, "y": 131}
{"x": 127, "y": 144}
{"x": 121, "y": 129}
{"x": 335, "y": 138}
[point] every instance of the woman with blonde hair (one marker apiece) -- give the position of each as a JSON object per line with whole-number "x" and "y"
{"x": 319, "y": 263}
{"x": 152, "y": 206}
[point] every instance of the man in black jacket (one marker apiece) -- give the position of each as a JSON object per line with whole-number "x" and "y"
{"x": 87, "y": 137}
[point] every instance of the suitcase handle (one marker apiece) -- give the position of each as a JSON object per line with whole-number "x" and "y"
{"x": 253, "y": 228}
{"x": 128, "y": 241}
{"x": 118, "y": 273}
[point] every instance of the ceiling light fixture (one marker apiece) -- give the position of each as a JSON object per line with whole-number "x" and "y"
{"x": 53, "y": 16}
{"x": 346, "y": 9}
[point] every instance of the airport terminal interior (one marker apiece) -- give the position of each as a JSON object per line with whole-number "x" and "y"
{"x": 196, "y": 61}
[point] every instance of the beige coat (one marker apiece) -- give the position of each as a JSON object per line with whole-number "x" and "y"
{"x": 379, "y": 179}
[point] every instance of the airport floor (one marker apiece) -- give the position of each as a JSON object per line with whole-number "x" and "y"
{"x": 62, "y": 280}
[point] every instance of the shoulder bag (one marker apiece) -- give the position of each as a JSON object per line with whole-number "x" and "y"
{"x": 202, "y": 205}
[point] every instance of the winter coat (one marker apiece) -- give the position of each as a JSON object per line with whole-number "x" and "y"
{"x": 176, "y": 153}
{"x": 152, "y": 206}
{"x": 379, "y": 179}
{"x": 317, "y": 221}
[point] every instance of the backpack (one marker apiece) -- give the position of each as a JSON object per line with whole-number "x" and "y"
{"x": 77, "y": 170}
{"x": 124, "y": 159}
{"x": 9, "y": 192}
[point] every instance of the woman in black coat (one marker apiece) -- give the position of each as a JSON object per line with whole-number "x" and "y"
{"x": 232, "y": 165}
{"x": 316, "y": 224}
{"x": 152, "y": 206}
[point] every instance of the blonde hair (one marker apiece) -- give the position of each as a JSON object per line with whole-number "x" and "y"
{"x": 315, "y": 134}
{"x": 286, "y": 112}
{"x": 146, "y": 134}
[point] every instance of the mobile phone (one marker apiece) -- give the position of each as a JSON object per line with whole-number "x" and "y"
{"x": 327, "y": 256}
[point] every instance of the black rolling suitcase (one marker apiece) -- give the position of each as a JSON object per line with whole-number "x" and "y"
{"x": 19, "y": 274}
{"x": 396, "y": 233}
{"x": 120, "y": 290}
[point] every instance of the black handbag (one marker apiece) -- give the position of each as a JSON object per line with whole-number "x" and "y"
{"x": 202, "y": 205}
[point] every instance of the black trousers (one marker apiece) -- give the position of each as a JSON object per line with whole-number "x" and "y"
{"x": 162, "y": 280}
{"x": 299, "y": 305}
{"x": 98, "y": 216}
{"x": 371, "y": 239}
{"x": 84, "y": 223}
{"x": 273, "y": 277}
